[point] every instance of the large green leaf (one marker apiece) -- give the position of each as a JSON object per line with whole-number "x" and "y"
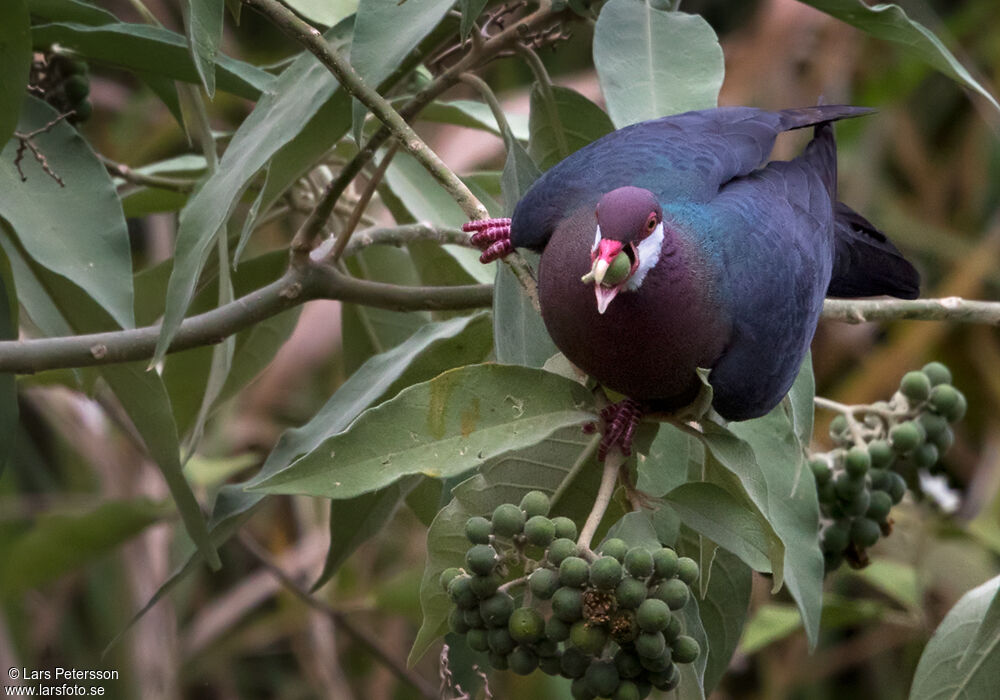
{"x": 77, "y": 231}
{"x": 203, "y": 22}
{"x": 652, "y": 63}
{"x": 58, "y": 543}
{"x": 950, "y": 666}
{"x": 505, "y": 479}
{"x": 439, "y": 428}
{"x": 376, "y": 52}
{"x": 724, "y": 613}
{"x": 571, "y": 114}
{"x": 15, "y": 63}
{"x": 474, "y": 115}
{"x": 152, "y": 50}
{"x": 890, "y": 22}
{"x": 70, "y": 11}
{"x": 298, "y": 93}
{"x": 8, "y": 382}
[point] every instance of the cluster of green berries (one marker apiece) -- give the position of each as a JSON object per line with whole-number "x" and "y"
{"x": 880, "y": 452}
{"x": 64, "y": 83}
{"x": 607, "y": 621}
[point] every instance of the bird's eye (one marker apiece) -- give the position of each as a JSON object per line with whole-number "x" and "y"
{"x": 651, "y": 222}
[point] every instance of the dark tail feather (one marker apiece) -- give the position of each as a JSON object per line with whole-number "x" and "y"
{"x": 866, "y": 263}
{"x": 810, "y": 116}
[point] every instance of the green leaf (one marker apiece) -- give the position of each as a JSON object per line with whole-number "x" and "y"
{"x": 325, "y": 12}
{"x": 471, "y": 9}
{"x": 724, "y": 612}
{"x": 792, "y": 508}
{"x": 58, "y": 543}
{"x": 153, "y": 50}
{"x": 801, "y": 402}
{"x": 8, "y": 381}
{"x": 769, "y": 623}
{"x": 652, "y": 63}
{"x": 70, "y": 11}
{"x": 669, "y": 462}
{"x": 203, "y": 22}
{"x": 80, "y": 233}
{"x": 572, "y": 115}
{"x": 15, "y": 63}
{"x": 355, "y": 520}
{"x": 375, "y": 52}
{"x": 505, "y": 479}
{"x": 692, "y": 685}
{"x": 962, "y": 658}
{"x": 890, "y": 22}
{"x": 298, "y": 93}
{"x": 439, "y": 428}
{"x": 474, "y": 115}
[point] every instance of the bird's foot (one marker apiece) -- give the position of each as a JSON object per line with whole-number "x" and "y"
{"x": 620, "y": 421}
{"x": 492, "y": 236}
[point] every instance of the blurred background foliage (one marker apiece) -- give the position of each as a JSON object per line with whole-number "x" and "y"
{"x": 80, "y": 496}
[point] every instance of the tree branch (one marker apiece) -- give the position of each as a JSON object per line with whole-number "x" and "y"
{"x": 952, "y": 309}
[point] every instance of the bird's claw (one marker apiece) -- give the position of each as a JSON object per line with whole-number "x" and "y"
{"x": 620, "y": 421}
{"x": 492, "y": 236}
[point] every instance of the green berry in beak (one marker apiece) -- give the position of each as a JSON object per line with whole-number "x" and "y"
{"x": 618, "y": 271}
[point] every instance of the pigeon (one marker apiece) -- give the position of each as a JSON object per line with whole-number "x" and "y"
{"x": 673, "y": 244}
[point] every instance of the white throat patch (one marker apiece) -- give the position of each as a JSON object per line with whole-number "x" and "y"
{"x": 649, "y": 254}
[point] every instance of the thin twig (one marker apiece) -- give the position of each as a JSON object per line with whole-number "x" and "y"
{"x": 359, "y": 207}
{"x": 129, "y": 175}
{"x": 585, "y": 455}
{"x": 355, "y": 632}
{"x": 612, "y": 463}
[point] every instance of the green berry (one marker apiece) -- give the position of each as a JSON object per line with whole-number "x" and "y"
{"x": 498, "y": 661}
{"x": 674, "y": 592}
{"x": 560, "y": 550}
{"x": 556, "y": 630}
{"x": 500, "y": 641}
{"x": 857, "y": 462}
{"x": 820, "y": 470}
{"x": 574, "y": 663}
{"x": 905, "y": 437}
{"x": 614, "y": 548}
{"x": 656, "y": 663}
{"x": 957, "y": 412}
{"x": 496, "y": 609}
{"x": 944, "y": 440}
{"x": 481, "y": 559}
{"x": 687, "y": 570}
{"x": 896, "y": 488}
{"x": 539, "y": 531}
{"x": 916, "y": 386}
{"x": 618, "y": 270}
{"x": 878, "y": 509}
{"x": 447, "y": 575}
{"x": 881, "y": 453}
{"x": 478, "y": 530}
{"x": 666, "y": 680}
{"x": 550, "y": 665}
{"x": 76, "y": 88}
{"x": 478, "y": 640}
{"x": 526, "y": 625}
{"x": 947, "y": 401}
{"x": 835, "y": 537}
{"x": 456, "y": 621}
{"x": 665, "y": 563}
{"x": 535, "y": 503}
{"x": 686, "y": 649}
{"x": 567, "y": 604}
{"x": 573, "y": 571}
{"x": 865, "y": 532}
{"x": 543, "y": 583}
{"x": 522, "y": 661}
{"x": 630, "y": 593}
{"x": 673, "y": 629}
{"x": 838, "y": 426}
{"x": 650, "y": 645}
{"x": 508, "y": 520}
{"x": 565, "y": 528}
{"x": 605, "y": 573}
{"x": 639, "y": 562}
{"x": 473, "y": 619}
{"x": 933, "y": 424}
{"x": 859, "y": 504}
{"x": 590, "y": 639}
{"x": 879, "y": 479}
{"x": 485, "y": 586}
{"x": 545, "y": 648}
{"x": 461, "y": 593}
{"x": 654, "y": 614}
{"x": 579, "y": 689}
{"x": 627, "y": 664}
{"x": 827, "y": 494}
{"x": 937, "y": 373}
{"x": 602, "y": 678}
{"x": 847, "y": 486}
{"x": 925, "y": 456}
{"x": 627, "y": 690}
{"x": 82, "y": 111}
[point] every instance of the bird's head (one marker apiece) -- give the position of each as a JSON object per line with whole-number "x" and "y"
{"x": 626, "y": 244}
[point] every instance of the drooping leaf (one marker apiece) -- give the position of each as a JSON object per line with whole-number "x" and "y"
{"x": 889, "y": 22}
{"x": 652, "y": 63}
{"x": 440, "y": 428}
{"x": 375, "y": 52}
{"x": 475, "y": 115}
{"x": 80, "y": 231}
{"x": 692, "y": 685}
{"x": 962, "y": 658}
{"x": 203, "y": 22}
{"x": 723, "y": 612}
{"x": 15, "y": 63}
{"x": 58, "y": 543}
{"x": 153, "y": 50}
{"x": 801, "y": 405}
{"x": 578, "y": 119}
{"x": 298, "y": 93}
{"x": 505, "y": 479}
{"x": 8, "y": 382}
